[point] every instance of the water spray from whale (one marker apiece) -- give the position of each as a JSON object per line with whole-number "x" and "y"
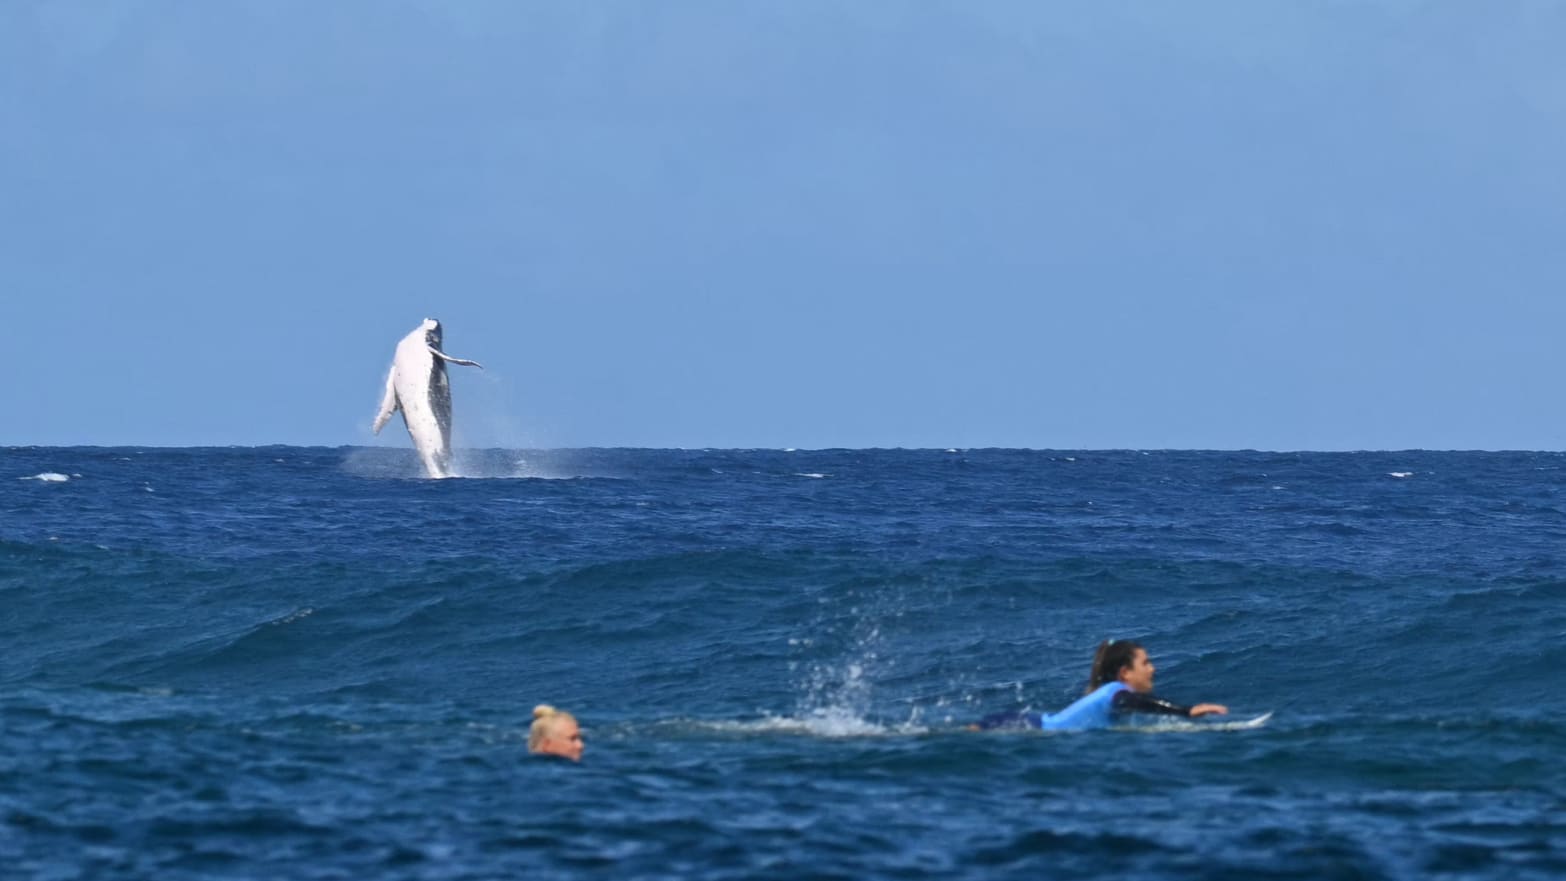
{"x": 417, "y": 385}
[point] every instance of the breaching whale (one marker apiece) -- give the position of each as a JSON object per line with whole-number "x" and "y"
{"x": 417, "y": 385}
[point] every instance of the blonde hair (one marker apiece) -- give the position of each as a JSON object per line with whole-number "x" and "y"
{"x": 544, "y": 719}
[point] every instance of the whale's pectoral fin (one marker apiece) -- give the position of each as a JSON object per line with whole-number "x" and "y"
{"x": 388, "y": 402}
{"x": 463, "y": 361}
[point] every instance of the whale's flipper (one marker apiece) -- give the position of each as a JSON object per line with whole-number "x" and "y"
{"x": 389, "y": 404}
{"x": 463, "y": 361}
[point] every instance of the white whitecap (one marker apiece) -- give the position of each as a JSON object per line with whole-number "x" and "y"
{"x": 1400, "y": 474}
{"x": 810, "y": 474}
{"x": 48, "y": 477}
{"x": 293, "y": 616}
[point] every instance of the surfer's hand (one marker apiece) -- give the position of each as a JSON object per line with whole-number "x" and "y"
{"x": 1209, "y": 710}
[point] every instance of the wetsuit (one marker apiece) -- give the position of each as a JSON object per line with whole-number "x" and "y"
{"x": 1096, "y": 709}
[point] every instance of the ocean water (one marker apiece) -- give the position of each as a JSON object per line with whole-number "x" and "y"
{"x": 306, "y": 663}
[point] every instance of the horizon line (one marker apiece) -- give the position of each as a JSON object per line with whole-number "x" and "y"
{"x": 786, "y": 449}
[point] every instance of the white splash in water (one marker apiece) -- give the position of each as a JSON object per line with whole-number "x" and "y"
{"x": 385, "y": 463}
{"x": 837, "y": 694}
{"x": 48, "y": 477}
{"x": 821, "y": 722}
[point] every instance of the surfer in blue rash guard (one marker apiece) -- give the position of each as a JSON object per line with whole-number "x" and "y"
{"x": 1121, "y": 683}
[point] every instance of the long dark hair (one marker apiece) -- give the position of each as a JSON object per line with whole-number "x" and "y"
{"x": 1113, "y": 655}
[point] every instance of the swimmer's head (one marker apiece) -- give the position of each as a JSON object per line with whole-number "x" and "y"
{"x": 1121, "y": 660}
{"x": 554, "y": 733}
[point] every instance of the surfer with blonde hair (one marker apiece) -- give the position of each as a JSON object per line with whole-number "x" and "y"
{"x": 554, "y": 733}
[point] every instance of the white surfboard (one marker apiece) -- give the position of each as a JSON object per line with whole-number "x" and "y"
{"x": 1241, "y": 724}
{"x": 1208, "y": 723}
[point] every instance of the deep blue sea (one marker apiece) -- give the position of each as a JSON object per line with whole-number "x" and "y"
{"x": 307, "y": 663}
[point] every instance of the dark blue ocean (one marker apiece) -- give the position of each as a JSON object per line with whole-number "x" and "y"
{"x": 306, "y": 663}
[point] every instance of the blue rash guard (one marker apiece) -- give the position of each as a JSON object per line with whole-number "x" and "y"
{"x": 1096, "y": 709}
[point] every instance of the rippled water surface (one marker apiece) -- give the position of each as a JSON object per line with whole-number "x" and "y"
{"x": 307, "y": 663}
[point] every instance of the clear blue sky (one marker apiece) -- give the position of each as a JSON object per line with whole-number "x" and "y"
{"x": 1291, "y": 225}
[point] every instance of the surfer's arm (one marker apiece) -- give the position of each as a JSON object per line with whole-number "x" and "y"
{"x": 1143, "y": 702}
{"x": 388, "y": 402}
